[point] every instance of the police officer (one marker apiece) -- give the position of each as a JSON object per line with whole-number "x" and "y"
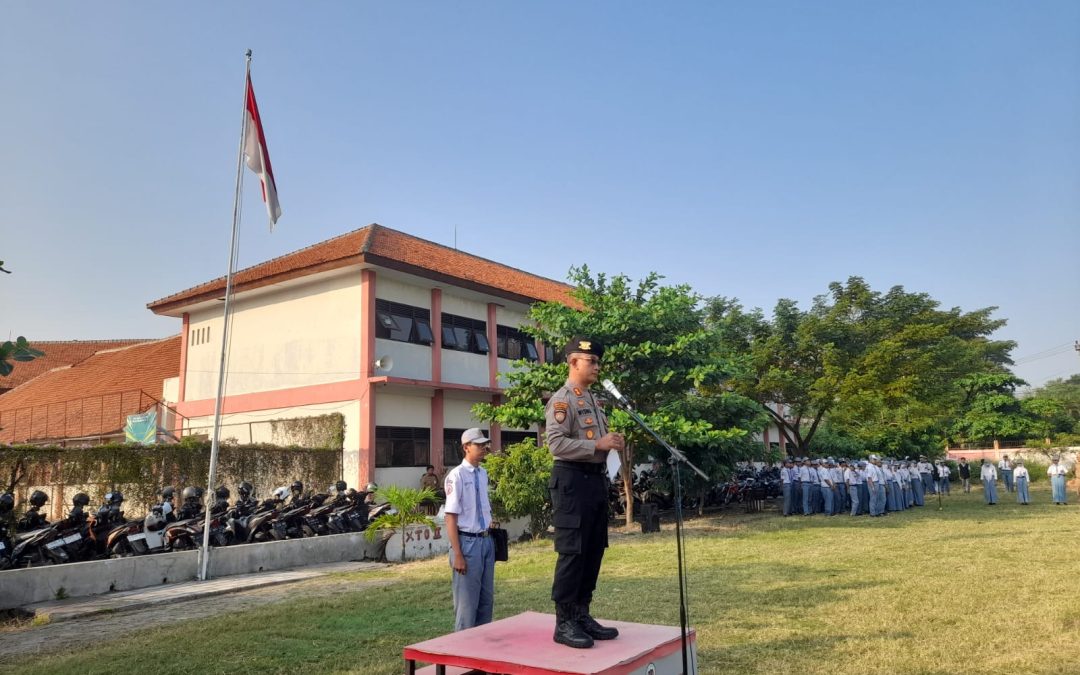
{"x": 578, "y": 436}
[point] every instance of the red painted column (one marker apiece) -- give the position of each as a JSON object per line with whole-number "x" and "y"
{"x": 436, "y": 331}
{"x": 367, "y": 393}
{"x": 438, "y": 425}
{"x": 185, "y": 334}
{"x": 438, "y": 416}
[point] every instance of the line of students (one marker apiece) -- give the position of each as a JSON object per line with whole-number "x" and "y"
{"x": 832, "y": 487}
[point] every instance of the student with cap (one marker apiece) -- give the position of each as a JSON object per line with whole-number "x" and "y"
{"x": 926, "y": 473}
{"x": 1006, "y": 468}
{"x": 839, "y": 489}
{"x": 825, "y": 483}
{"x": 918, "y": 486}
{"x": 852, "y": 480}
{"x": 472, "y": 551}
{"x": 988, "y": 474}
{"x": 1057, "y": 472}
{"x": 864, "y": 490}
{"x": 787, "y": 479}
{"x": 1021, "y": 476}
{"x": 578, "y": 436}
{"x": 943, "y": 477}
{"x": 808, "y": 487}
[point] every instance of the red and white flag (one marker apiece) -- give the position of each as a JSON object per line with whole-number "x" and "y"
{"x": 257, "y": 156}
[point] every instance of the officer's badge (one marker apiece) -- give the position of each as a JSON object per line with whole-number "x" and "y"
{"x": 584, "y": 345}
{"x": 589, "y": 433}
{"x": 581, "y": 403}
{"x": 588, "y": 420}
{"x": 577, "y": 391}
{"x": 449, "y": 488}
{"x": 560, "y": 408}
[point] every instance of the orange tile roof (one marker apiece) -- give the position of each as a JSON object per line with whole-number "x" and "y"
{"x": 382, "y": 246}
{"x": 57, "y": 354}
{"x": 90, "y": 397}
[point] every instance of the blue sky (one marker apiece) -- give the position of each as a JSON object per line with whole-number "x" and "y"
{"x": 756, "y": 150}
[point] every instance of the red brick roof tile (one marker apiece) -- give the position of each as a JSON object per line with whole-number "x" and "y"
{"x": 382, "y": 246}
{"x": 92, "y": 396}
{"x": 58, "y": 354}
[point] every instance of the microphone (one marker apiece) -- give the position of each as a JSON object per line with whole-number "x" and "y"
{"x": 610, "y": 388}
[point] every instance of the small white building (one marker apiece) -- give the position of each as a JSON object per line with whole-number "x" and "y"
{"x": 398, "y": 334}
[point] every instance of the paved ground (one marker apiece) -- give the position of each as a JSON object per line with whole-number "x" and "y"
{"x": 79, "y": 621}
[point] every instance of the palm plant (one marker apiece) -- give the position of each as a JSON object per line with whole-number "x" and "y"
{"x": 405, "y": 510}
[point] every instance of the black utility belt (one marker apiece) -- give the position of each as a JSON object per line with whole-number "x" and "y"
{"x": 463, "y": 533}
{"x": 586, "y": 467}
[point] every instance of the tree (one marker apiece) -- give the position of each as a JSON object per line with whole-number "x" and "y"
{"x": 881, "y": 367}
{"x": 992, "y": 411}
{"x": 1065, "y": 392}
{"x": 405, "y": 510}
{"x": 661, "y": 356}
{"x": 520, "y": 475}
{"x": 19, "y": 350}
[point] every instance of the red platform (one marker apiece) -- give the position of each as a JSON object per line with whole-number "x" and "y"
{"x": 522, "y": 645}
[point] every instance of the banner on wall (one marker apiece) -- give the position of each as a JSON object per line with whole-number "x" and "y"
{"x": 141, "y": 428}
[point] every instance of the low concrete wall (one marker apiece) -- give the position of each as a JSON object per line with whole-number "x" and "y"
{"x": 39, "y": 584}
{"x": 424, "y": 542}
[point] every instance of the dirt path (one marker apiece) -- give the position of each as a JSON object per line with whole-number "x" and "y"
{"x": 23, "y": 639}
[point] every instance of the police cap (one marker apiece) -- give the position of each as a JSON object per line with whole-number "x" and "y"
{"x": 584, "y": 345}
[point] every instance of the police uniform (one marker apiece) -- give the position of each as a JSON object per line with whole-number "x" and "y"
{"x": 579, "y": 490}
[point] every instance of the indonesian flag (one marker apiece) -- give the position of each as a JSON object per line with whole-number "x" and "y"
{"x": 257, "y": 156}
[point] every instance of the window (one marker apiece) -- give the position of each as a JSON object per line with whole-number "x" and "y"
{"x": 404, "y": 323}
{"x": 509, "y": 438}
{"x": 464, "y": 334}
{"x": 402, "y": 446}
{"x": 514, "y": 344}
{"x": 452, "y": 452}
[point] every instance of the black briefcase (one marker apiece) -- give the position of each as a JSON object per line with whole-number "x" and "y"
{"x": 501, "y": 539}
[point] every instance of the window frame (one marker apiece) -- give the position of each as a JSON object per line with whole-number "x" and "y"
{"x": 391, "y": 318}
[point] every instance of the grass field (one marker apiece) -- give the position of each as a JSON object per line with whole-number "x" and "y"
{"x": 967, "y": 589}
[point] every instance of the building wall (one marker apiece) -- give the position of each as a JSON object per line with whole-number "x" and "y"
{"x": 411, "y": 361}
{"x": 303, "y": 334}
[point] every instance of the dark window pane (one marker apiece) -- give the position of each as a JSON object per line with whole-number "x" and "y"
{"x": 404, "y": 329}
{"x": 501, "y": 345}
{"x": 448, "y": 337}
{"x": 423, "y": 332}
{"x": 382, "y": 453}
{"x": 530, "y": 351}
{"x": 461, "y": 338}
{"x": 482, "y": 345}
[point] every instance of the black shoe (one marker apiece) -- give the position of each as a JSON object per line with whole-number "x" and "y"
{"x": 569, "y": 633}
{"x": 595, "y": 630}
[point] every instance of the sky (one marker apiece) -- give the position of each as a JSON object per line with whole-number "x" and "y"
{"x": 752, "y": 150}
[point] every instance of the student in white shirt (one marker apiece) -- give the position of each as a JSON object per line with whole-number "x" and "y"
{"x": 1021, "y": 477}
{"x": 1057, "y": 480}
{"x": 788, "y": 475}
{"x": 1005, "y": 468}
{"x": 943, "y": 477}
{"x": 989, "y": 481}
{"x": 825, "y": 483}
{"x": 852, "y": 480}
{"x": 468, "y": 517}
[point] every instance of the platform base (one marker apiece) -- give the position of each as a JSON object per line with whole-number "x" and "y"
{"x": 522, "y": 645}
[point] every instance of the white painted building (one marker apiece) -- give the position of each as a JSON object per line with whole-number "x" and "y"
{"x": 398, "y": 334}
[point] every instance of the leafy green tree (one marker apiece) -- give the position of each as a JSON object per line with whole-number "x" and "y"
{"x": 991, "y": 412}
{"x": 519, "y": 476}
{"x": 882, "y": 367}
{"x": 19, "y": 350}
{"x": 1047, "y": 417}
{"x": 660, "y": 354}
{"x": 1066, "y": 391}
{"x": 405, "y": 510}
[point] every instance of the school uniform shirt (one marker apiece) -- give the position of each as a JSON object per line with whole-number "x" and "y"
{"x": 851, "y": 476}
{"x": 924, "y": 467}
{"x": 1021, "y": 472}
{"x": 1004, "y": 465}
{"x": 786, "y": 475}
{"x": 837, "y": 475}
{"x": 988, "y": 472}
{"x": 886, "y": 474}
{"x": 945, "y": 471}
{"x": 824, "y": 476}
{"x": 462, "y": 496}
{"x": 804, "y": 474}
{"x": 1056, "y": 470}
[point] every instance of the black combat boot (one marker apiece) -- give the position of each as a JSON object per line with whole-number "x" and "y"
{"x": 567, "y": 630}
{"x": 591, "y": 628}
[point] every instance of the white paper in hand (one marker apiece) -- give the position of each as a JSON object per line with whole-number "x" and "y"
{"x": 613, "y": 464}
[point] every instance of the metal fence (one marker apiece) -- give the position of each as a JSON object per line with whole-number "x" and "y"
{"x": 91, "y": 419}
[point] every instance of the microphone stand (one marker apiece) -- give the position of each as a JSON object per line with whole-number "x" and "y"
{"x": 676, "y": 459}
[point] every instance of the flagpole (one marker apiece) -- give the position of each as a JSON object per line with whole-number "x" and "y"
{"x": 204, "y": 552}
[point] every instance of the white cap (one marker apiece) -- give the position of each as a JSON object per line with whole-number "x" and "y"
{"x": 474, "y": 435}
